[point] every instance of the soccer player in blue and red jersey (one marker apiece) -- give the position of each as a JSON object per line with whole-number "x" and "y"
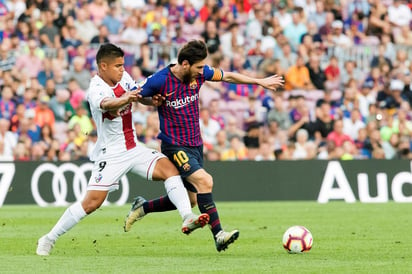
{"x": 179, "y": 86}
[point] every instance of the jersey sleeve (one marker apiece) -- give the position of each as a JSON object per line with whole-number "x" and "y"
{"x": 96, "y": 94}
{"x": 212, "y": 74}
{"x": 130, "y": 84}
{"x": 151, "y": 85}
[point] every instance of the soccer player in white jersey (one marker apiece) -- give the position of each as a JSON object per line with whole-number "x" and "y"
{"x": 117, "y": 150}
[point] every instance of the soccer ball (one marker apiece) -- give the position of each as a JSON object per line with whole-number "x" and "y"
{"x": 297, "y": 239}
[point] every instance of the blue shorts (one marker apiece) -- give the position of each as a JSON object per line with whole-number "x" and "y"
{"x": 186, "y": 159}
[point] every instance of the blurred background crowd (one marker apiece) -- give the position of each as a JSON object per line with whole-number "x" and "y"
{"x": 346, "y": 64}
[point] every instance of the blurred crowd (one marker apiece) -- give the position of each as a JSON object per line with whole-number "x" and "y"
{"x": 329, "y": 108}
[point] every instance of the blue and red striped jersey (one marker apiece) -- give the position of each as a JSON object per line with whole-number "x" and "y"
{"x": 179, "y": 114}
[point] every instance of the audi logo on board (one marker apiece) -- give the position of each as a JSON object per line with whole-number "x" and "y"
{"x": 60, "y": 185}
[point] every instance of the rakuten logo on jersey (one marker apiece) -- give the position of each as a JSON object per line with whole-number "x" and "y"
{"x": 179, "y": 103}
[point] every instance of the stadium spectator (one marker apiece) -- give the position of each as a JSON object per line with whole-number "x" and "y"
{"x": 29, "y": 132}
{"x": 286, "y": 56}
{"x": 209, "y": 128}
{"x": 86, "y": 29}
{"x": 251, "y": 140}
{"x": 215, "y": 113}
{"x": 337, "y": 135}
{"x": 326, "y": 29}
{"x": 353, "y": 124}
{"x": 222, "y": 142}
{"x": 70, "y": 39}
{"x": 301, "y": 145}
{"x": 236, "y": 151}
{"x": 134, "y": 33}
{"x": 366, "y": 97}
{"x": 97, "y": 10}
{"x": 333, "y": 75}
{"x": 49, "y": 33}
{"x": 77, "y": 95}
{"x": 61, "y": 107}
{"x": 82, "y": 119}
{"x": 380, "y": 60}
{"x": 211, "y": 36}
{"x": 279, "y": 114}
{"x": 316, "y": 74}
{"x": 46, "y": 72}
{"x": 8, "y": 140}
{"x": 79, "y": 73}
{"x": 233, "y": 127}
{"x": 28, "y": 98}
{"x": 266, "y": 153}
{"x": 318, "y": 16}
{"x": 43, "y": 114}
{"x": 285, "y": 17}
{"x": 7, "y": 57}
{"x": 231, "y": 40}
{"x": 399, "y": 15}
{"x": 297, "y": 77}
{"x": 294, "y": 30}
{"x": 7, "y": 105}
{"x": 30, "y": 63}
{"x": 254, "y": 26}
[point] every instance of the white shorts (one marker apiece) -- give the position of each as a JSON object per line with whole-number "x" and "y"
{"x": 108, "y": 170}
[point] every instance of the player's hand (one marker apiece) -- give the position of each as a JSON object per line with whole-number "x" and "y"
{"x": 133, "y": 96}
{"x": 157, "y": 100}
{"x": 272, "y": 82}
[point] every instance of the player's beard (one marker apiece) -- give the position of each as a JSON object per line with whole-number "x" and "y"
{"x": 187, "y": 78}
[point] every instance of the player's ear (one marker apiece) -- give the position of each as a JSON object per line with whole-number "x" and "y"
{"x": 185, "y": 64}
{"x": 103, "y": 65}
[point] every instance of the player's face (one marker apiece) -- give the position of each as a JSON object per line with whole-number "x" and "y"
{"x": 197, "y": 69}
{"x": 111, "y": 70}
{"x": 192, "y": 71}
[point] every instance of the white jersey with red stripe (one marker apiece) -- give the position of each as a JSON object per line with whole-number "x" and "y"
{"x": 116, "y": 134}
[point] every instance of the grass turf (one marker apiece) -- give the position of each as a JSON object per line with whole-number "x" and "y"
{"x": 348, "y": 238}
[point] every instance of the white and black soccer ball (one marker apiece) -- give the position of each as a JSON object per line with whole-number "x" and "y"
{"x": 297, "y": 239}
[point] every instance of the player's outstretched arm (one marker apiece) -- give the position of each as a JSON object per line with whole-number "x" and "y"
{"x": 271, "y": 82}
{"x": 113, "y": 104}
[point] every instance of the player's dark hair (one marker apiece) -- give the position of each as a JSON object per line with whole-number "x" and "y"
{"x": 193, "y": 52}
{"x": 109, "y": 51}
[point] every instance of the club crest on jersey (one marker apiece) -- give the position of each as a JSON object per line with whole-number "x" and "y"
{"x": 98, "y": 178}
{"x": 141, "y": 83}
{"x": 193, "y": 84}
{"x": 186, "y": 167}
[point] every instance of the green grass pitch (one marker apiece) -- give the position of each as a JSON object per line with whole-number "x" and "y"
{"x": 348, "y": 238}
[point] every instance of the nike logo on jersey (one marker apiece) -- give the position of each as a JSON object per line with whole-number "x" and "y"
{"x": 170, "y": 93}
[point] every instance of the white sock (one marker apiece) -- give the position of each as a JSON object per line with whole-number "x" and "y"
{"x": 178, "y": 195}
{"x": 69, "y": 219}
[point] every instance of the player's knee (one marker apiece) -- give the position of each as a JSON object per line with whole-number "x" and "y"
{"x": 91, "y": 206}
{"x": 206, "y": 182}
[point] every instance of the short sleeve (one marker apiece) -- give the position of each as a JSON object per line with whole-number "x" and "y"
{"x": 96, "y": 94}
{"x": 151, "y": 85}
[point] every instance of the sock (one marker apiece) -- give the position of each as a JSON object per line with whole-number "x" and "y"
{"x": 206, "y": 205}
{"x": 178, "y": 195}
{"x": 160, "y": 204}
{"x": 69, "y": 219}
